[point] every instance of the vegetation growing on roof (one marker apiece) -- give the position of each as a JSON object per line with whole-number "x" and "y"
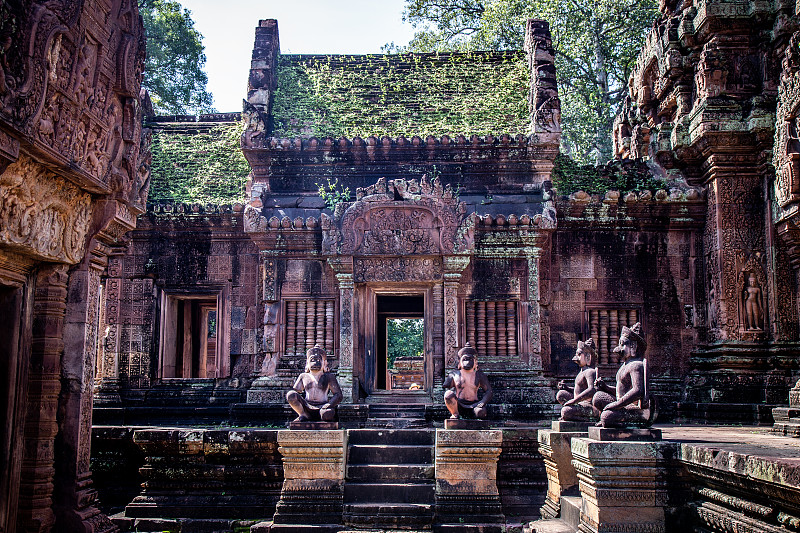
{"x": 569, "y": 177}
{"x": 402, "y": 94}
{"x": 204, "y": 167}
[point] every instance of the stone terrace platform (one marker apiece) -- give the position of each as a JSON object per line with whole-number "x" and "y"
{"x": 716, "y": 476}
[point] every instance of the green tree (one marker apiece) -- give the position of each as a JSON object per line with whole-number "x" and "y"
{"x": 404, "y": 336}
{"x": 596, "y": 43}
{"x": 173, "y": 72}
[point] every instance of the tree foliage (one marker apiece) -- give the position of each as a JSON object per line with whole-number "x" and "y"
{"x": 596, "y": 45}
{"x": 173, "y": 73}
{"x": 404, "y": 338}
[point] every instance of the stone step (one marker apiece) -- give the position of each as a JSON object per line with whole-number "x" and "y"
{"x": 385, "y": 454}
{"x": 419, "y": 437}
{"x": 395, "y": 423}
{"x": 388, "y": 493}
{"x": 401, "y": 517}
{"x": 571, "y": 510}
{"x": 390, "y": 472}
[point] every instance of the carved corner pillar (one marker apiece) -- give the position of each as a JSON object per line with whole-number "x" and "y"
{"x": 561, "y": 476}
{"x": 313, "y": 480}
{"x": 467, "y": 498}
{"x": 622, "y": 484}
{"x": 74, "y": 497}
{"x": 343, "y": 267}
{"x": 44, "y": 383}
{"x": 538, "y": 339}
{"x": 453, "y": 268}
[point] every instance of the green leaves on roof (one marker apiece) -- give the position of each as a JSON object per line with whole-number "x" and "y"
{"x": 203, "y": 167}
{"x": 402, "y": 94}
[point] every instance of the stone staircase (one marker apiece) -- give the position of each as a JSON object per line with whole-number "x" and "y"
{"x": 389, "y": 482}
{"x": 568, "y": 521}
{"x": 396, "y": 416}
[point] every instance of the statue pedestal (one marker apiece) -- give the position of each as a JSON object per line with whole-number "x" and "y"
{"x": 313, "y": 426}
{"x": 622, "y": 483}
{"x": 467, "y": 498}
{"x": 465, "y": 423}
{"x": 624, "y": 434}
{"x": 313, "y": 480}
{"x": 787, "y": 419}
{"x": 562, "y": 480}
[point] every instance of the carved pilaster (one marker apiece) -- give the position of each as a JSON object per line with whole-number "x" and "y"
{"x": 75, "y": 498}
{"x": 44, "y": 383}
{"x": 534, "y": 311}
{"x": 453, "y": 268}
{"x": 344, "y": 278}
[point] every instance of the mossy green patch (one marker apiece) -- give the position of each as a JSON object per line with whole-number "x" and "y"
{"x": 206, "y": 167}
{"x": 401, "y": 94}
{"x": 569, "y": 177}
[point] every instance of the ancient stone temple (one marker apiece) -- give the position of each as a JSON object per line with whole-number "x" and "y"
{"x": 74, "y": 175}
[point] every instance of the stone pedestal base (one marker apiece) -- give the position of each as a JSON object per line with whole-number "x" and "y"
{"x": 787, "y": 421}
{"x": 467, "y": 498}
{"x": 313, "y": 426}
{"x": 562, "y": 480}
{"x": 465, "y": 423}
{"x": 622, "y": 484}
{"x": 624, "y": 434}
{"x": 313, "y": 480}
{"x": 570, "y": 426}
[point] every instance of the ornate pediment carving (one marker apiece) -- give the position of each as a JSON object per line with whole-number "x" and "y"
{"x": 399, "y": 217}
{"x": 41, "y": 214}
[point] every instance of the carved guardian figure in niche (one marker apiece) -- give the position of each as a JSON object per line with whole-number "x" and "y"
{"x": 629, "y": 404}
{"x": 753, "y": 309}
{"x": 577, "y": 403}
{"x": 462, "y": 398}
{"x": 321, "y": 389}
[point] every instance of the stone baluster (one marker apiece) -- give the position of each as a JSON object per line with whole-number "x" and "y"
{"x": 329, "y": 308}
{"x": 291, "y": 327}
{"x": 311, "y": 315}
{"x": 502, "y": 335}
{"x": 511, "y": 327}
{"x": 470, "y": 312}
{"x": 491, "y": 330}
{"x": 481, "y": 331}
{"x": 301, "y": 326}
{"x": 605, "y": 356}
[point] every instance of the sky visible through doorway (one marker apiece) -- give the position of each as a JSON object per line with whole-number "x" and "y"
{"x": 305, "y": 27}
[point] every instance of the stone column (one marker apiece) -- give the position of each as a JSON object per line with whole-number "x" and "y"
{"x": 313, "y": 480}
{"x": 44, "y": 383}
{"x": 622, "y": 483}
{"x": 74, "y": 498}
{"x": 562, "y": 480}
{"x": 467, "y": 498}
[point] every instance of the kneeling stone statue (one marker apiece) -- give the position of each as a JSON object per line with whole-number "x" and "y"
{"x": 630, "y": 404}
{"x": 577, "y": 403}
{"x": 462, "y": 399}
{"x": 316, "y": 383}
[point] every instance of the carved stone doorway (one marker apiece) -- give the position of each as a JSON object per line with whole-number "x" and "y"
{"x": 380, "y": 378}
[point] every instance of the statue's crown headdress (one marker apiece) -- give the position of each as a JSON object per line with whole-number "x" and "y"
{"x": 633, "y": 333}
{"x": 467, "y": 349}
{"x": 588, "y": 346}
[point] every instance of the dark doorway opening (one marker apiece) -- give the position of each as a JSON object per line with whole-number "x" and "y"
{"x": 400, "y": 356}
{"x": 190, "y": 349}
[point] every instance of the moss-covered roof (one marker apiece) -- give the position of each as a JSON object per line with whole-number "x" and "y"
{"x": 198, "y": 162}
{"x": 401, "y": 94}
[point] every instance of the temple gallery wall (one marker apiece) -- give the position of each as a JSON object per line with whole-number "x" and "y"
{"x": 164, "y": 280}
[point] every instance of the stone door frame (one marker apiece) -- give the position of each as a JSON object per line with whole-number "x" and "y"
{"x": 367, "y": 301}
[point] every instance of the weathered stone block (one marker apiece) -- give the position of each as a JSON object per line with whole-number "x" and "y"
{"x": 554, "y": 445}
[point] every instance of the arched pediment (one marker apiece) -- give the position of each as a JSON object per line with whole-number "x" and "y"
{"x": 399, "y": 218}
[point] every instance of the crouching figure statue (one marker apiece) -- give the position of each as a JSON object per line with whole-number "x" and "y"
{"x": 317, "y": 383}
{"x": 577, "y": 403}
{"x": 630, "y": 404}
{"x": 462, "y": 398}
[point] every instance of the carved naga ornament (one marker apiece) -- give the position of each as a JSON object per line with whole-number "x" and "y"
{"x": 400, "y": 218}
